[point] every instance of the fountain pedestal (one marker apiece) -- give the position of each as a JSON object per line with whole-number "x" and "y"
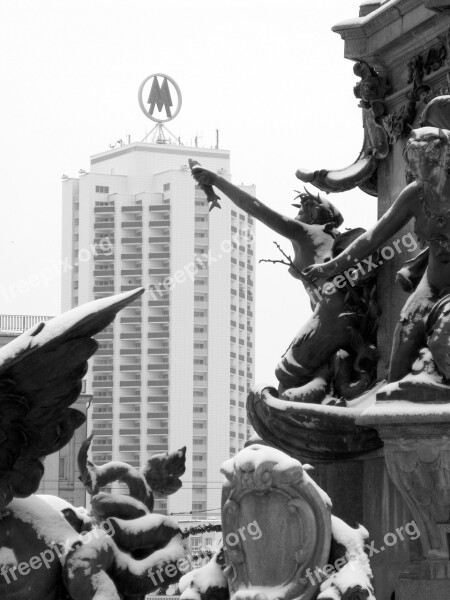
{"x": 416, "y": 440}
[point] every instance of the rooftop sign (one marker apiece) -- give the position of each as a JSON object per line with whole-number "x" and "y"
{"x": 159, "y": 98}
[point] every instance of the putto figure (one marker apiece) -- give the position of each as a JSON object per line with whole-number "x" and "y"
{"x": 426, "y": 200}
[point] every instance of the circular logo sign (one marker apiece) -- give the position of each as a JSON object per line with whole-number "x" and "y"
{"x": 159, "y": 98}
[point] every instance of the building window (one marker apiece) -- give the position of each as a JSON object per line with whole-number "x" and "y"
{"x": 103, "y": 441}
{"x": 166, "y": 187}
{"x": 102, "y": 189}
{"x": 62, "y": 467}
{"x": 103, "y": 457}
{"x": 196, "y": 542}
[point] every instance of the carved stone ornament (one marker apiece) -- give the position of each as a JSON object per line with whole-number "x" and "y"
{"x": 417, "y": 454}
{"x": 398, "y": 124}
{"x": 371, "y": 90}
{"x": 420, "y": 468}
{"x": 276, "y": 524}
{"x": 307, "y": 431}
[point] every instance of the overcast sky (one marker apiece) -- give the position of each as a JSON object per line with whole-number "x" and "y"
{"x": 270, "y": 75}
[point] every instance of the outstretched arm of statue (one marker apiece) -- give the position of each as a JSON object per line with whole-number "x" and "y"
{"x": 285, "y": 226}
{"x": 394, "y": 219}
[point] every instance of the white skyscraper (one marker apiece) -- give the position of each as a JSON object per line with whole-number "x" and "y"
{"x": 175, "y": 368}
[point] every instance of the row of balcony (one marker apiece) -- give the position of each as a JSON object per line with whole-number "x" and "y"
{"x": 134, "y": 223}
{"x": 133, "y": 383}
{"x": 128, "y": 431}
{"x": 157, "y": 399}
{"x": 136, "y": 414}
{"x": 128, "y": 447}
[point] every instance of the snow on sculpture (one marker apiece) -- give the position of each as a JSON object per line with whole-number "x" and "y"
{"x": 423, "y": 321}
{"x": 280, "y": 540}
{"x": 49, "y": 549}
{"x": 332, "y": 360}
{"x": 335, "y": 349}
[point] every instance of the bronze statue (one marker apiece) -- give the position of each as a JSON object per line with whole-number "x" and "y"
{"x": 334, "y": 351}
{"x": 426, "y": 200}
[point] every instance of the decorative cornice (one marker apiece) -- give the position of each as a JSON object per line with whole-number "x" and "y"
{"x": 395, "y": 22}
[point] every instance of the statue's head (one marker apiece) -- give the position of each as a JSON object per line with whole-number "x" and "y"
{"x": 427, "y": 153}
{"x": 315, "y": 210}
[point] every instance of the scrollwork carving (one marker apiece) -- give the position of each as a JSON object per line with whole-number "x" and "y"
{"x": 398, "y": 124}
{"x": 372, "y": 88}
{"x": 272, "y": 490}
{"x": 292, "y": 519}
{"x": 420, "y": 468}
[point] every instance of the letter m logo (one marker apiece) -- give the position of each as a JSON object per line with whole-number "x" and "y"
{"x": 160, "y": 96}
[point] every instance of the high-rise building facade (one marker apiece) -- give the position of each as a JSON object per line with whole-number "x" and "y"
{"x": 176, "y": 366}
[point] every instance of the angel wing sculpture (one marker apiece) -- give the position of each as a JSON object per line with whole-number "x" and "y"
{"x": 46, "y": 551}
{"x": 40, "y": 377}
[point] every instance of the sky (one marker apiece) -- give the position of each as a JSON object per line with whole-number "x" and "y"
{"x": 269, "y": 75}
